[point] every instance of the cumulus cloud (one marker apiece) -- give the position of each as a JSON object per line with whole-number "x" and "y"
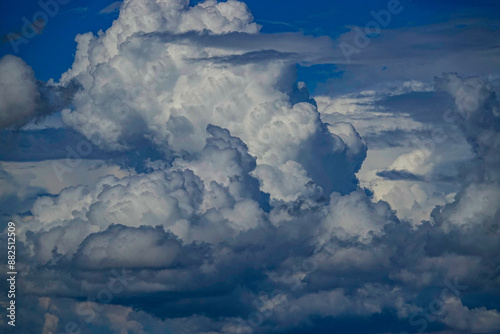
{"x": 355, "y": 216}
{"x": 19, "y": 93}
{"x": 23, "y": 98}
{"x": 477, "y": 114}
{"x": 476, "y": 320}
{"x": 120, "y": 246}
{"x": 204, "y": 229}
{"x": 252, "y": 220}
{"x": 399, "y": 165}
{"x": 205, "y": 64}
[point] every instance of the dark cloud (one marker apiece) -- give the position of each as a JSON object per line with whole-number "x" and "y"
{"x": 399, "y": 175}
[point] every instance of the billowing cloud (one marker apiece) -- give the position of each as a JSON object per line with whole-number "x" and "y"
{"x": 477, "y": 114}
{"x": 23, "y": 98}
{"x": 251, "y": 219}
{"x": 205, "y": 64}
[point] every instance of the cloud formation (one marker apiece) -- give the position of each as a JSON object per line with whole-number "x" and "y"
{"x": 23, "y": 98}
{"x": 205, "y": 65}
{"x": 251, "y": 218}
{"x": 19, "y": 93}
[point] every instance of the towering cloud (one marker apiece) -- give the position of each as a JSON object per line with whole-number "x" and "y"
{"x": 251, "y": 219}
{"x": 164, "y": 71}
{"x": 477, "y": 113}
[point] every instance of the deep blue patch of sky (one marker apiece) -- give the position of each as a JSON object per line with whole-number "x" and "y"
{"x": 51, "y": 52}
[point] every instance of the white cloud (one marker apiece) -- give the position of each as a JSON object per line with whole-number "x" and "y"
{"x": 475, "y": 320}
{"x": 254, "y": 209}
{"x": 354, "y": 215}
{"x": 113, "y": 7}
{"x": 124, "y": 247}
{"x": 19, "y": 94}
{"x": 168, "y": 96}
{"x": 23, "y": 98}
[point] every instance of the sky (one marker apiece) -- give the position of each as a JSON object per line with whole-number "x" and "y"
{"x": 247, "y": 166}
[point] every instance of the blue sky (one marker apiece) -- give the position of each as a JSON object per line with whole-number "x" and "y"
{"x": 52, "y": 52}
{"x": 252, "y": 167}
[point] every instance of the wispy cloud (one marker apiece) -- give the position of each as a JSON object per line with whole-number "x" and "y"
{"x": 111, "y": 8}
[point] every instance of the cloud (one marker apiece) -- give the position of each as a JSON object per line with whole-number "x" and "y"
{"x": 50, "y": 324}
{"x": 410, "y": 129}
{"x": 399, "y": 175}
{"x": 19, "y": 93}
{"x": 24, "y": 98}
{"x": 290, "y": 46}
{"x": 111, "y": 8}
{"x": 476, "y": 113}
{"x": 222, "y": 195}
{"x": 354, "y": 215}
{"x": 208, "y": 240}
{"x": 468, "y": 44}
{"x": 36, "y": 27}
{"x": 244, "y": 213}
{"x": 122, "y": 246}
{"x": 207, "y": 63}
{"x": 476, "y": 320}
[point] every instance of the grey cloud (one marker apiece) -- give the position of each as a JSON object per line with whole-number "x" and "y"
{"x": 121, "y": 246}
{"x": 251, "y": 57}
{"x": 304, "y": 49}
{"x": 19, "y": 93}
{"x": 468, "y": 45}
{"x": 399, "y": 175}
{"x": 23, "y": 98}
